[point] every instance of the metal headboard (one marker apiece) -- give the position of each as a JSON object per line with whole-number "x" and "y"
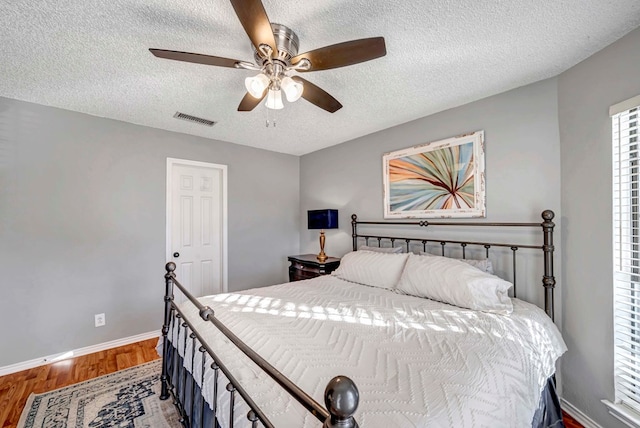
{"x": 547, "y": 225}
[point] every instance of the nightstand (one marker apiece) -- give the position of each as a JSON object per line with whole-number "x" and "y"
{"x": 307, "y": 266}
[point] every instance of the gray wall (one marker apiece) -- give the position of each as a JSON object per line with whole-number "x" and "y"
{"x": 585, "y": 93}
{"x": 82, "y": 224}
{"x": 522, "y": 162}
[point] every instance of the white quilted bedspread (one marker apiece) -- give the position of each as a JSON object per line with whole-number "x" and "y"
{"x": 416, "y": 362}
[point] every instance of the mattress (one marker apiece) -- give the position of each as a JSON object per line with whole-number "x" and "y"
{"x": 416, "y": 362}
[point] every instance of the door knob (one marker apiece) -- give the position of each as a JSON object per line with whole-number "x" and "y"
{"x": 176, "y": 254}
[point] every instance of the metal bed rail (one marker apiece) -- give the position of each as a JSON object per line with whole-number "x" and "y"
{"x": 341, "y": 394}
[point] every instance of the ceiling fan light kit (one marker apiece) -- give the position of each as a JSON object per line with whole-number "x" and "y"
{"x": 274, "y": 99}
{"x": 275, "y": 48}
{"x": 292, "y": 89}
{"x": 256, "y": 85}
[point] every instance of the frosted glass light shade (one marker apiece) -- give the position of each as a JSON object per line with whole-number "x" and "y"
{"x": 292, "y": 89}
{"x": 256, "y": 85}
{"x": 274, "y": 100}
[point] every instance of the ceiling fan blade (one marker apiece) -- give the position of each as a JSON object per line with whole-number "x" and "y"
{"x": 343, "y": 54}
{"x": 256, "y": 23}
{"x": 318, "y": 96}
{"x": 249, "y": 102}
{"x": 196, "y": 58}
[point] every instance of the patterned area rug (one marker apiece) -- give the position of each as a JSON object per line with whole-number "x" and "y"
{"x": 128, "y": 398}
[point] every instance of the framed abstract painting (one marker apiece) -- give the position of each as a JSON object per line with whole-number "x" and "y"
{"x": 442, "y": 179}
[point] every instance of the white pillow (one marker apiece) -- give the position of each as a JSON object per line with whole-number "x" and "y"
{"x": 484, "y": 265}
{"x": 455, "y": 282}
{"x": 381, "y": 249}
{"x": 381, "y": 270}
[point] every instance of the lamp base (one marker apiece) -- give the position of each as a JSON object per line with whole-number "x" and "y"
{"x": 322, "y": 257}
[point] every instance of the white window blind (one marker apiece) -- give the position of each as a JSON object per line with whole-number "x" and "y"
{"x": 626, "y": 264}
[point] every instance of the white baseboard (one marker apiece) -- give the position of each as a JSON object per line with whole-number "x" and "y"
{"x": 578, "y": 414}
{"x": 26, "y": 365}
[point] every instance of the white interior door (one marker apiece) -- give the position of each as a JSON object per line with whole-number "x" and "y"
{"x": 196, "y": 235}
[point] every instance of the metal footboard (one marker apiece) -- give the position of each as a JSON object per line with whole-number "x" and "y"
{"x": 341, "y": 394}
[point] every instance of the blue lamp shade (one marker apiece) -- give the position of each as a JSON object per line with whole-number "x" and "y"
{"x": 322, "y": 219}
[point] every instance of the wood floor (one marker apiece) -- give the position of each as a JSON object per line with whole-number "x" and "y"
{"x": 15, "y": 388}
{"x": 569, "y": 422}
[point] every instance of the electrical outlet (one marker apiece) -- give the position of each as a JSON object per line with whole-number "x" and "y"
{"x": 100, "y": 320}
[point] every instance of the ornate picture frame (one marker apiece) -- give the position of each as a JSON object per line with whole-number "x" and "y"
{"x": 441, "y": 179}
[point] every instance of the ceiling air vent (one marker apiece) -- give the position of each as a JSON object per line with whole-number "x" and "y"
{"x": 194, "y": 119}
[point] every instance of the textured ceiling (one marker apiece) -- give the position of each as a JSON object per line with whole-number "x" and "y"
{"x": 92, "y": 56}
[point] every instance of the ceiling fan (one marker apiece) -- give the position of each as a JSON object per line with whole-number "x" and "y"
{"x": 275, "y": 48}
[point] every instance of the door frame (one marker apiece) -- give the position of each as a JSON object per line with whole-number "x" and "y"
{"x": 171, "y": 162}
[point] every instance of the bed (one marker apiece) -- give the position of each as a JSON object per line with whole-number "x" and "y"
{"x": 371, "y": 342}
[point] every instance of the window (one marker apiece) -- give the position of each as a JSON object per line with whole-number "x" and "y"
{"x": 626, "y": 256}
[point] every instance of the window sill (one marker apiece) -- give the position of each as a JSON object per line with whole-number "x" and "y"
{"x": 623, "y": 413}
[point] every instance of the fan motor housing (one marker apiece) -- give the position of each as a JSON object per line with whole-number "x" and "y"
{"x": 287, "y": 43}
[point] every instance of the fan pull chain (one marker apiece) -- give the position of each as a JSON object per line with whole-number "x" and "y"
{"x": 270, "y": 121}
{"x": 268, "y": 114}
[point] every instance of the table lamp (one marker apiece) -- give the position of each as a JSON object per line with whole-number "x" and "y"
{"x": 322, "y": 219}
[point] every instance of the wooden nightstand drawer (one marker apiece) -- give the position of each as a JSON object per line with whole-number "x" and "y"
{"x": 307, "y": 266}
{"x": 301, "y": 266}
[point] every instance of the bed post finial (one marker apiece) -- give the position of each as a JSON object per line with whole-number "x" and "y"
{"x": 341, "y": 398}
{"x": 354, "y": 235}
{"x": 170, "y": 268}
{"x": 168, "y": 299}
{"x": 548, "y": 280}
